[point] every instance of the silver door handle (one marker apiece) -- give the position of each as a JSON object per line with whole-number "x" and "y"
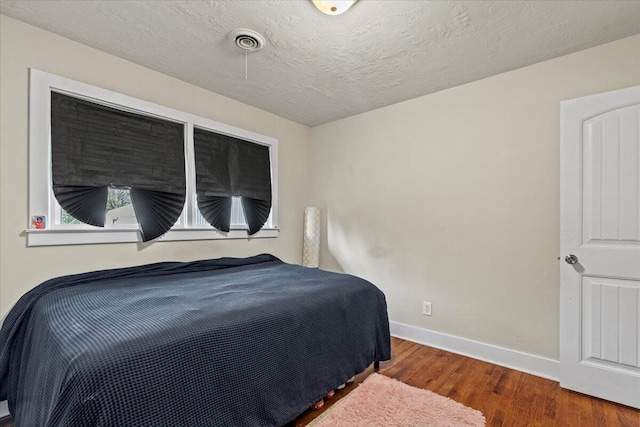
{"x": 571, "y": 259}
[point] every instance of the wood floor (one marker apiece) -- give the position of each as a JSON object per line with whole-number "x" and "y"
{"x": 506, "y": 397}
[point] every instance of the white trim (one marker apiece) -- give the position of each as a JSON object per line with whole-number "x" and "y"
{"x": 53, "y": 237}
{"x": 42, "y": 201}
{"x": 4, "y": 409}
{"x": 513, "y": 359}
{"x": 191, "y": 175}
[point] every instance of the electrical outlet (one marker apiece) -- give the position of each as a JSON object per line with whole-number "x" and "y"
{"x": 426, "y": 308}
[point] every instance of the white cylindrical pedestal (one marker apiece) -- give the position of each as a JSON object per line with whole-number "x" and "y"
{"x": 311, "y": 243}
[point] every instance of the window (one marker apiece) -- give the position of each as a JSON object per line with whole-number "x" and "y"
{"x": 228, "y": 167}
{"x": 119, "y": 210}
{"x": 95, "y": 148}
{"x": 121, "y": 224}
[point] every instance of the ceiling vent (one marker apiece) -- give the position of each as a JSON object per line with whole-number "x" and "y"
{"x": 246, "y": 39}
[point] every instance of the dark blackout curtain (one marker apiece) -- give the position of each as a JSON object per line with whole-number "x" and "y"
{"x": 94, "y": 147}
{"x": 229, "y": 167}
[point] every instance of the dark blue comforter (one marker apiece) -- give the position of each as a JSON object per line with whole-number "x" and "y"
{"x": 226, "y": 342}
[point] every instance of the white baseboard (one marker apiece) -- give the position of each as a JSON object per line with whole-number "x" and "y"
{"x": 529, "y": 363}
{"x": 4, "y": 409}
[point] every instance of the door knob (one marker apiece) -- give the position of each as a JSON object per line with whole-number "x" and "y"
{"x": 571, "y": 259}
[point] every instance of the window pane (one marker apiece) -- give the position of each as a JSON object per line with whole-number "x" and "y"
{"x": 237, "y": 215}
{"x": 65, "y": 218}
{"x": 119, "y": 210}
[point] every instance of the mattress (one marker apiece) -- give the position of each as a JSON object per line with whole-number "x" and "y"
{"x": 224, "y": 342}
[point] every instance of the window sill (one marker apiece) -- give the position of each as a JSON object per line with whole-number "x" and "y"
{"x": 56, "y": 237}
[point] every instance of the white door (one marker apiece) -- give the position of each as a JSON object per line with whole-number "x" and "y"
{"x": 600, "y": 232}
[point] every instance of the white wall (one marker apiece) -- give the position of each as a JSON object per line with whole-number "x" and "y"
{"x": 21, "y": 268}
{"x": 454, "y": 198}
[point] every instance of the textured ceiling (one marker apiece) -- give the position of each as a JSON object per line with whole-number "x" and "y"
{"x": 317, "y": 68}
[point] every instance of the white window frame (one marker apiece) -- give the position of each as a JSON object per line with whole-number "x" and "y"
{"x": 43, "y": 202}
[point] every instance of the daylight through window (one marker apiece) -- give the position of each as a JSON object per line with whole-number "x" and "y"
{"x": 123, "y": 183}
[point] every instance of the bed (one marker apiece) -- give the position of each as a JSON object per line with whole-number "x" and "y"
{"x": 225, "y": 342}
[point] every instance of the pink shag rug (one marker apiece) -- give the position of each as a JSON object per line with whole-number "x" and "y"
{"x": 386, "y": 402}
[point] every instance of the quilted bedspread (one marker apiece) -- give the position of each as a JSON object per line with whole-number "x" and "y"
{"x": 224, "y": 342}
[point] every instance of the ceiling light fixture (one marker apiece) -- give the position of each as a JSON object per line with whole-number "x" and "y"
{"x": 333, "y": 7}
